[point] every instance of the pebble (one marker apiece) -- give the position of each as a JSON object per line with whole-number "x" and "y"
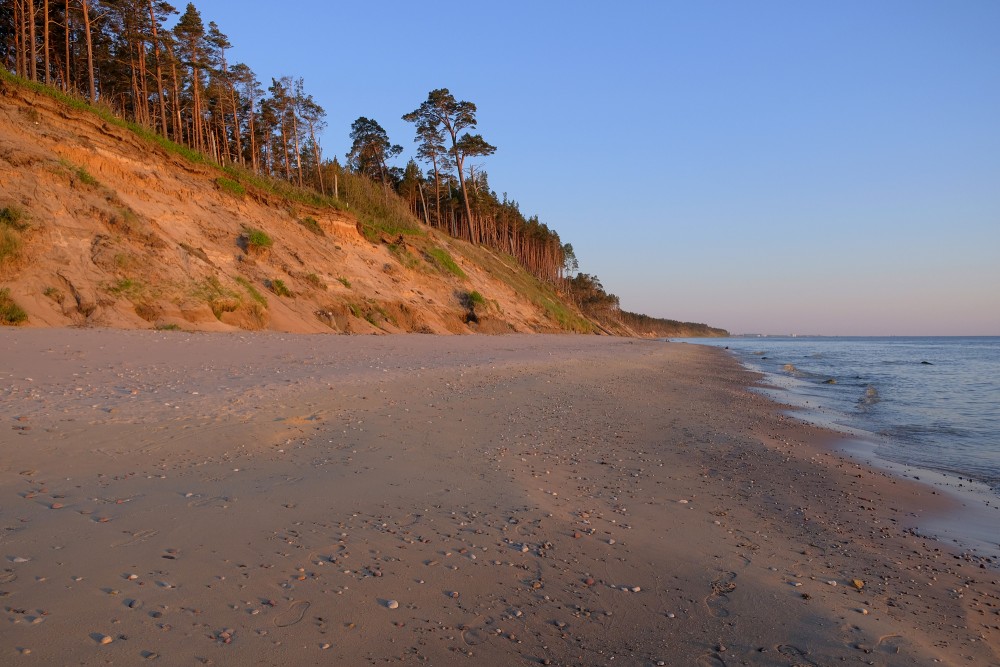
{"x": 19, "y": 559}
{"x": 56, "y": 506}
{"x": 105, "y": 640}
{"x": 636, "y": 589}
{"x": 392, "y": 604}
{"x": 832, "y": 582}
{"x": 671, "y": 614}
{"x": 325, "y": 645}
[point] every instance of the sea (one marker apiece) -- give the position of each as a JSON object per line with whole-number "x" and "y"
{"x": 923, "y": 407}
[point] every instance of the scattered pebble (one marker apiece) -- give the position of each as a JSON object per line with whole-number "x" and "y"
{"x": 393, "y": 604}
{"x": 105, "y": 640}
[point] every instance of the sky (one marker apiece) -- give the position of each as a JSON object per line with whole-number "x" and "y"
{"x": 826, "y": 167}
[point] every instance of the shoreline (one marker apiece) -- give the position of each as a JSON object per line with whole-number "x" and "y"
{"x": 522, "y": 499}
{"x": 973, "y": 528}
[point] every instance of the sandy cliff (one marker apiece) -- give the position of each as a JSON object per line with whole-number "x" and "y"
{"x": 119, "y": 232}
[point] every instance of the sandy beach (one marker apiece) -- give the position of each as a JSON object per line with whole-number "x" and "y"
{"x": 278, "y": 499}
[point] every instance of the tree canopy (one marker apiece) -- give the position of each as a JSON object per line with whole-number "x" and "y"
{"x": 371, "y": 149}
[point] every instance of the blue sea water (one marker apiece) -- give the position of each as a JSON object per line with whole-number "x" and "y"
{"x": 929, "y": 403}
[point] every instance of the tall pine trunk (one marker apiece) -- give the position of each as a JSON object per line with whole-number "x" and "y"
{"x": 20, "y": 61}
{"x": 45, "y": 39}
{"x": 33, "y": 50}
{"x": 67, "y": 83}
{"x": 237, "y": 134}
{"x": 159, "y": 70}
{"x": 90, "y": 52}
{"x": 298, "y": 154}
{"x": 284, "y": 144}
{"x": 316, "y": 156}
{"x": 177, "y": 120}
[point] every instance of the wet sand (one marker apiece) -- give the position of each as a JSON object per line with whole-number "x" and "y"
{"x": 264, "y": 499}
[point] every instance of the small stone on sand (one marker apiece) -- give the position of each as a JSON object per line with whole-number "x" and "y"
{"x": 392, "y": 604}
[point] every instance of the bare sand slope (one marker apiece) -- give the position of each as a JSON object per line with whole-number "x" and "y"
{"x": 265, "y": 499}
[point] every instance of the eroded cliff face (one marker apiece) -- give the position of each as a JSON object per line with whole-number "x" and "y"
{"x": 116, "y": 231}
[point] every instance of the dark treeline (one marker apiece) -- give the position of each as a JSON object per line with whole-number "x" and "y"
{"x": 168, "y": 71}
{"x": 663, "y": 328}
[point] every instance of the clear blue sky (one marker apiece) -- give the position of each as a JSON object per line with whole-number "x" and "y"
{"x": 778, "y": 166}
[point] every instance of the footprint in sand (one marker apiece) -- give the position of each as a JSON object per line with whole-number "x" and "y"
{"x": 293, "y": 614}
{"x": 136, "y": 538}
{"x": 474, "y": 637}
{"x": 711, "y": 660}
{"x": 719, "y": 598}
{"x": 796, "y": 654}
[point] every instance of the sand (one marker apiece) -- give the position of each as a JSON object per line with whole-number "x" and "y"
{"x": 273, "y": 499}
